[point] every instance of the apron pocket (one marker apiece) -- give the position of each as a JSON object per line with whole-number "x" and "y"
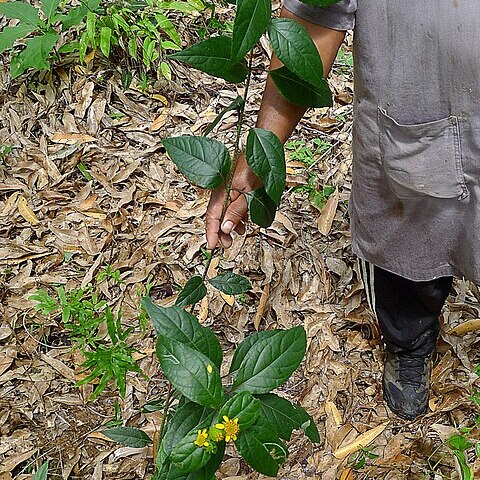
{"x": 422, "y": 159}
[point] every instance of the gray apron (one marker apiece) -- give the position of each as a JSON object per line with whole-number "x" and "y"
{"x": 415, "y": 197}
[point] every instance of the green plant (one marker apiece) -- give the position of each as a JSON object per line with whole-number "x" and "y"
{"x": 40, "y": 29}
{"x": 193, "y": 434}
{"x": 360, "y": 458}
{"x": 459, "y": 445}
{"x": 138, "y": 29}
{"x": 210, "y": 414}
{"x": 5, "y": 150}
{"x": 42, "y": 472}
{"x": 84, "y": 314}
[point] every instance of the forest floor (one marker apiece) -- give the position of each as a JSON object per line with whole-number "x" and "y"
{"x": 88, "y": 185}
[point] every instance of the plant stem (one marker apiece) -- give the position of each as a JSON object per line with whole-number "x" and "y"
{"x": 164, "y": 416}
{"x": 228, "y": 187}
{"x": 231, "y": 174}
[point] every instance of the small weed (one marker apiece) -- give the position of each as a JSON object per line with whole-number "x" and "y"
{"x": 84, "y": 316}
{"x": 84, "y": 171}
{"x": 299, "y": 150}
{"x": 5, "y": 150}
{"x": 360, "y": 458}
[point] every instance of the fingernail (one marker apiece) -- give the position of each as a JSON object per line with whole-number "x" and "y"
{"x": 227, "y": 227}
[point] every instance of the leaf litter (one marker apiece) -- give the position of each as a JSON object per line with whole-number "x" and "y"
{"x": 88, "y": 184}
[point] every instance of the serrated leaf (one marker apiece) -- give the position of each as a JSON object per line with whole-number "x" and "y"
{"x": 10, "y": 34}
{"x": 186, "y": 418}
{"x": 42, "y": 472}
{"x": 251, "y": 21}
{"x": 231, "y": 283}
{"x": 212, "y": 56}
{"x": 193, "y": 291}
{"x": 170, "y": 472}
{"x": 265, "y": 156}
{"x": 244, "y": 347}
{"x": 204, "y": 161}
{"x": 176, "y": 323}
{"x": 295, "y": 48}
{"x": 128, "y": 436}
{"x": 49, "y": 8}
{"x": 190, "y": 372}
{"x": 22, "y": 11}
{"x": 286, "y": 417}
{"x": 187, "y": 456}
{"x": 298, "y": 91}
{"x": 261, "y": 207}
{"x": 270, "y": 361}
{"x": 261, "y": 448}
{"x": 35, "y": 54}
{"x": 243, "y": 406}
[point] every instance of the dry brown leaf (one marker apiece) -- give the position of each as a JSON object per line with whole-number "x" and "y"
{"x": 11, "y": 462}
{"x": 261, "y": 306}
{"x": 72, "y": 138}
{"x": 466, "y": 327}
{"x": 159, "y": 122}
{"x": 325, "y": 220}
{"x": 361, "y": 441}
{"x": 229, "y": 299}
{"x": 26, "y": 212}
{"x": 348, "y": 474}
{"x": 331, "y": 408}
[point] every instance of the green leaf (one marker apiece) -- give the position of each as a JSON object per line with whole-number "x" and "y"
{"x": 42, "y": 472}
{"x": 167, "y": 26}
{"x": 261, "y": 448}
{"x": 261, "y": 207}
{"x": 22, "y": 11}
{"x": 295, "y": 48}
{"x": 35, "y": 54}
{"x": 243, "y": 406}
{"x": 298, "y": 91}
{"x": 286, "y": 417}
{"x": 193, "y": 291}
{"x": 186, "y": 417}
{"x": 251, "y": 21}
{"x": 176, "y": 323}
{"x": 204, "y": 161}
{"x": 170, "y": 472}
{"x": 10, "y": 34}
{"x": 459, "y": 442}
{"x": 76, "y": 15}
{"x": 128, "y": 436}
{"x": 270, "y": 362}
{"x": 212, "y": 56}
{"x": 231, "y": 283}
{"x": 190, "y": 372}
{"x": 187, "y": 456}
{"x": 105, "y": 40}
{"x": 265, "y": 156}
{"x": 245, "y": 346}
{"x": 49, "y": 8}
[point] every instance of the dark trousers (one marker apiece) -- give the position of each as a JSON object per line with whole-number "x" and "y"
{"x": 407, "y": 311}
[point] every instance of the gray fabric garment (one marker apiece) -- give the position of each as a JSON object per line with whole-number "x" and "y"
{"x": 415, "y": 197}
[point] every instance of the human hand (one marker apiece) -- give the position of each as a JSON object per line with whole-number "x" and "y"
{"x": 244, "y": 180}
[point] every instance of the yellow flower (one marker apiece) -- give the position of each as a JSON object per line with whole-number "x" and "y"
{"x": 202, "y": 439}
{"x": 216, "y": 434}
{"x": 230, "y": 426}
{"x": 209, "y": 368}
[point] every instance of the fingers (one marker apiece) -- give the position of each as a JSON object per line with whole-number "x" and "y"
{"x": 214, "y": 213}
{"x": 233, "y": 220}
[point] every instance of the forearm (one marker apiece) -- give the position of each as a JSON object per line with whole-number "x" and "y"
{"x": 278, "y": 114}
